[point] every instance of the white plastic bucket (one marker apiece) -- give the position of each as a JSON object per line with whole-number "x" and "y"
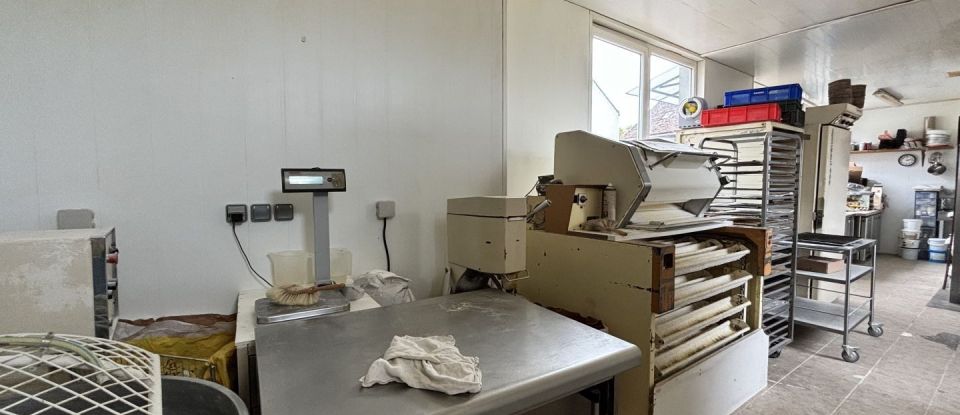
{"x": 910, "y": 234}
{"x": 938, "y": 250}
{"x": 937, "y": 244}
{"x": 910, "y": 243}
{"x": 909, "y": 253}
{"x": 938, "y": 256}
{"x": 912, "y": 224}
{"x": 291, "y": 267}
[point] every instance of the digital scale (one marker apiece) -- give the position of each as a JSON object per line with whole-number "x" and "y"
{"x": 319, "y": 182}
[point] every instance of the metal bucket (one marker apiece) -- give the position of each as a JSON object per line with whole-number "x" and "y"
{"x": 189, "y": 396}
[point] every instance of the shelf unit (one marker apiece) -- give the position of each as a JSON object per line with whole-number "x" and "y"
{"x": 903, "y": 150}
{"x": 764, "y": 174}
{"x": 841, "y": 318}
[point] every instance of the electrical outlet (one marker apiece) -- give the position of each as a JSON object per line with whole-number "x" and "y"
{"x": 260, "y": 213}
{"x": 236, "y": 213}
{"x": 386, "y": 209}
{"x": 283, "y": 212}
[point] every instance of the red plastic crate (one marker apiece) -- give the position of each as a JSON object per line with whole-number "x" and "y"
{"x": 740, "y": 115}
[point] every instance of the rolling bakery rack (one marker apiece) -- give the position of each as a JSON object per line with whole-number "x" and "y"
{"x": 763, "y": 190}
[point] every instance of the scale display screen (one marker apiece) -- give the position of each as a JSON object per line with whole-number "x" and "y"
{"x": 307, "y": 179}
{"x": 313, "y": 180}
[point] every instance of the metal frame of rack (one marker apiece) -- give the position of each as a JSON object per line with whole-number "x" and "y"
{"x": 863, "y": 225}
{"x": 772, "y": 153}
{"x": 837, "y": 318}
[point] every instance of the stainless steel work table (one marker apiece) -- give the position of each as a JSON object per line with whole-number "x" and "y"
{"x": 529, "y": 356}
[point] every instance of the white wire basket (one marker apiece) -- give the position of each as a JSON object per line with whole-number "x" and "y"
{"x": 64, "y": 374}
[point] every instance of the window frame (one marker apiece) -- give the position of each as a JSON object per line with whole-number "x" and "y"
{"x": 646, "y": 51}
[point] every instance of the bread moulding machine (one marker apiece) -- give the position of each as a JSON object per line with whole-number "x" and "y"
{"x": 689, "y": 297}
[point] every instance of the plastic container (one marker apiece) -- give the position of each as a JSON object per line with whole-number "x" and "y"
{"x": 739, "y": 115}
{"x": 188, "y": 396}
{"x": 912, "y": 224}
{"x": 909, "y": 253}
{"x": 935, "y": 256}
{"x": 910, "y": 243}
{"x": 789, "y": 92}
{"x": 791, "y": 113}
{"x": 341, "y": 264}
{"x": 910, "y": 234}
{"x": 937, "y": 250}
{"x": 937, "y": 244}
{"x": 291, "y": 267}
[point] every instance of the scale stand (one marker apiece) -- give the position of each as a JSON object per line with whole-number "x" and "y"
{"x": 320, "y": 182}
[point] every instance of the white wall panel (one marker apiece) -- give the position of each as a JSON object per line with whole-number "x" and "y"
{"x": 547, "y": 83}
{"x": 714, "y": 79}
{"x": 157, "y": 114}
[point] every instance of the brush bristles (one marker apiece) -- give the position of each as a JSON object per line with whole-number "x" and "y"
{"x": 298, "y": 294}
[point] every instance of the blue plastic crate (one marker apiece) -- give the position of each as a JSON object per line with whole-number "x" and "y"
{"x": 789, "y": 92}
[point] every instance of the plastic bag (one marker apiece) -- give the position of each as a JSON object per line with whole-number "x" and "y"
{"x": 385, "y": 287}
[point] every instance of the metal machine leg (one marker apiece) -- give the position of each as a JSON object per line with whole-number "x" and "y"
{"x": 602, "y": 398}
{"x": 873, "y": 284}
{"x": 321, "y": 238}
{"x": 874, "y": 329}
{"x": 849, "y": 353}
{"x": 946, "y": 271}
{"x": 607, "y": 403}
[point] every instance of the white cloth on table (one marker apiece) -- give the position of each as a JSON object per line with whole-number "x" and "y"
{"x": 432, "y": 363}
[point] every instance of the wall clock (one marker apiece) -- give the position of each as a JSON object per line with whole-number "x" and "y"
{"x": 907, "y": 160}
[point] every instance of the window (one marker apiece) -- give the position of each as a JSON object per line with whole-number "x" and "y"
{"x": 627, "y": 104}
{"x": 615, "y": 104}
{"x": 670, "y": 83}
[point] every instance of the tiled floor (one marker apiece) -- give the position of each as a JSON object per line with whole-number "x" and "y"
{"x": 912, "y": 369}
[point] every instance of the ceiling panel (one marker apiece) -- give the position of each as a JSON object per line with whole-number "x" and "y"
{"x": 708, "y": 25}
{"x": 906, "y": 49}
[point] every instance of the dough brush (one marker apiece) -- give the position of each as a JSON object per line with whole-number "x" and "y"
{"x": 299, "y": 294}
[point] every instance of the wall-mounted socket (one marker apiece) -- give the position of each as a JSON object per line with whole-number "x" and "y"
{"x": 282, "y": 212}
{"x": 236, "y": 213}
{"x": 386, "y": 209}
{"x": 261, "y": 213}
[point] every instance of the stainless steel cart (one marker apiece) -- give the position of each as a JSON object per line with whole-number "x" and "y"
{"x": 840, "y": 318}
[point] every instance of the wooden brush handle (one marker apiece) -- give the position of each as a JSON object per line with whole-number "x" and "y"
{"x": 329, "y": 287}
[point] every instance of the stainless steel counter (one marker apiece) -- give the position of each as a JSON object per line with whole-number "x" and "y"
{"x": 528, "y": 355}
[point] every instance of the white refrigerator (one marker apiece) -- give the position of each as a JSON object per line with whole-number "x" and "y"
{"x": 826, "y": 160}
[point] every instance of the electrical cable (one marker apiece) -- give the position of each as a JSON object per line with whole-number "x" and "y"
{"x": 245, "y": 259}
{"x": 386, "y": 249}
{"x": 533, "y": 188}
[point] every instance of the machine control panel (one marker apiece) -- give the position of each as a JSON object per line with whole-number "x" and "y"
{"x": 844, "y": 120}
{"x": 314, "y": 180}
